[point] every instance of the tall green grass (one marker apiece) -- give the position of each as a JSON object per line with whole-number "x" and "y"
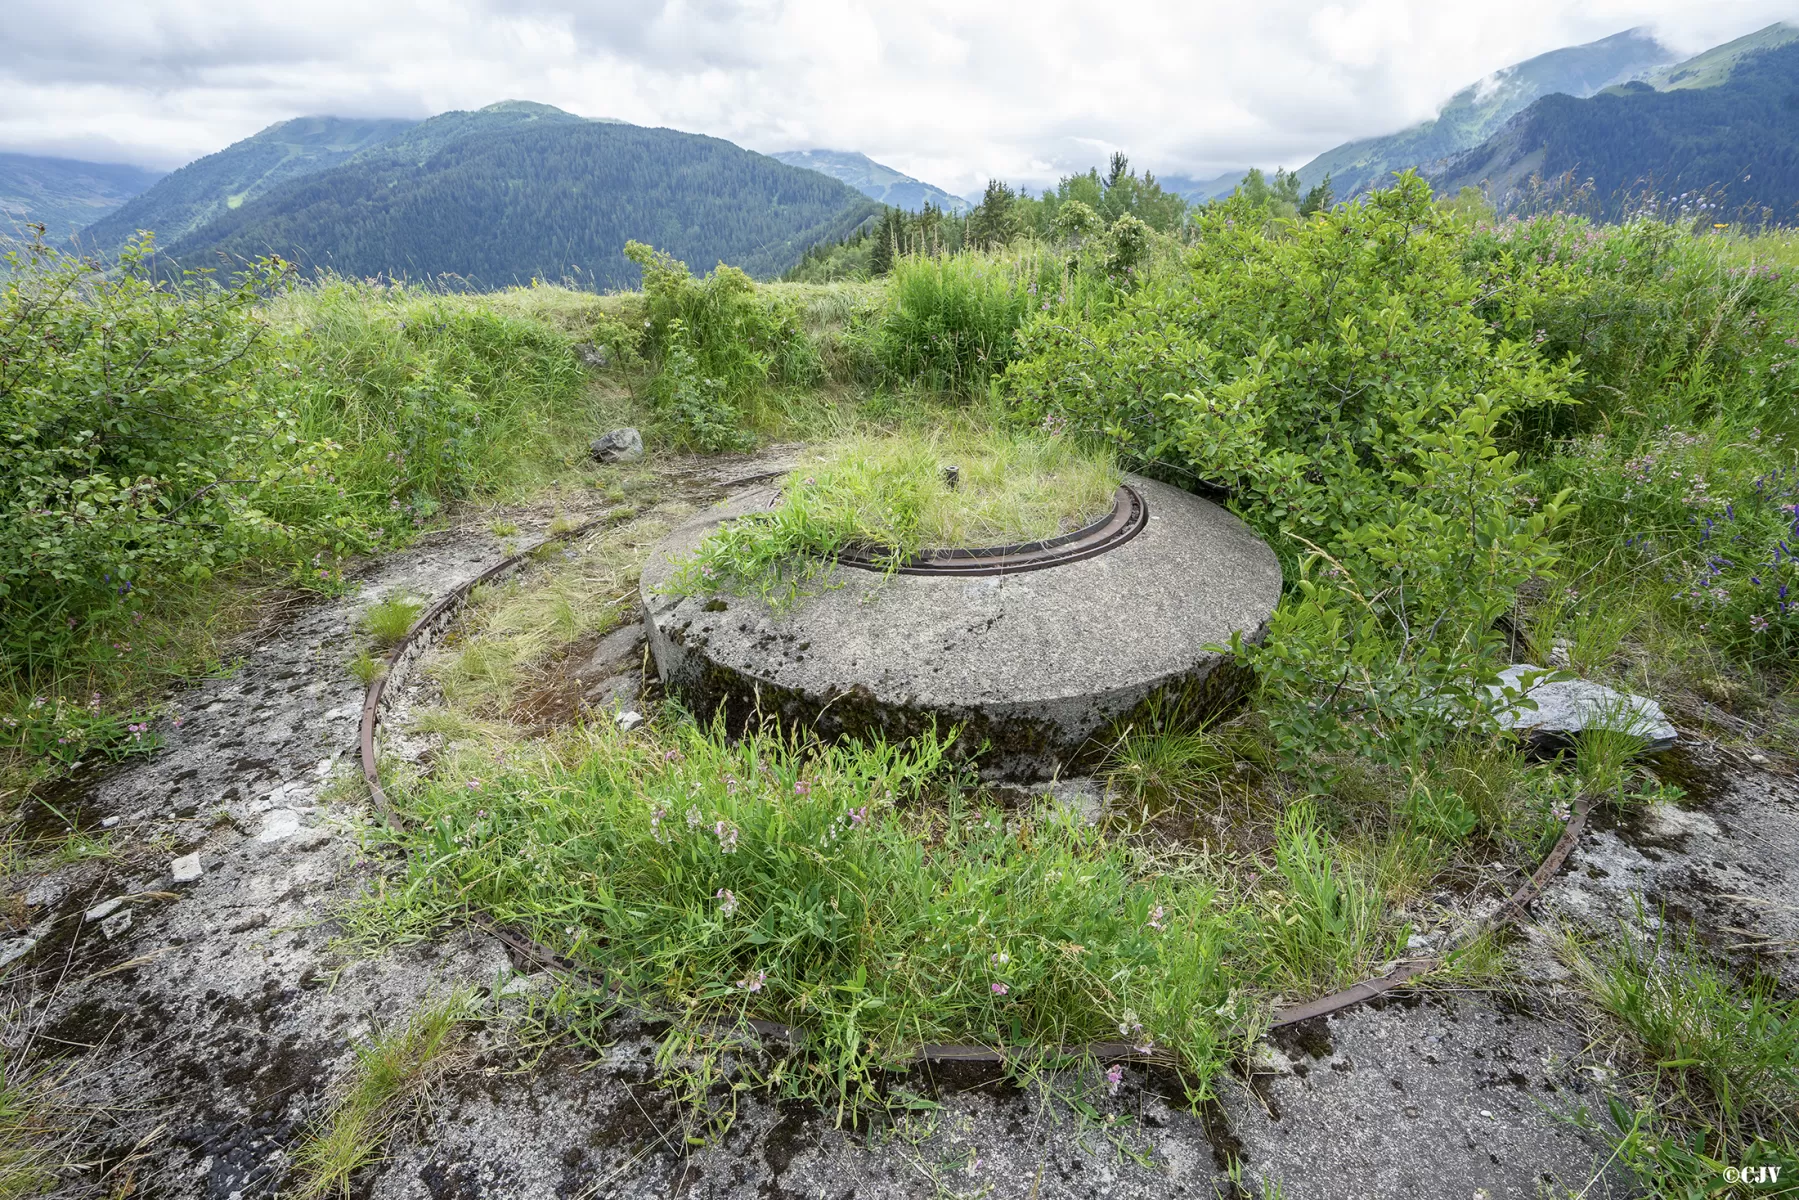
{"x": 855, "y": 892}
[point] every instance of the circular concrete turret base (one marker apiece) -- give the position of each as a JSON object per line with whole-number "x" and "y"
{"x": 1034, "y": 664}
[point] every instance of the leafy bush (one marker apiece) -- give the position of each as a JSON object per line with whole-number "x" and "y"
{"x": 134, "y": 440}
{"x": 1339, "y": 383}
{"x": 157, "y": 433}
{"x": 716, "y": 341}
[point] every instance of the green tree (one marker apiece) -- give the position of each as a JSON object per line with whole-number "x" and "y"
{"x": 1319, "y": 199}
{"x": 994, "y": 223}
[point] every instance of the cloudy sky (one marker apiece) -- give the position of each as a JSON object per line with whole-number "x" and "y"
{"x": 949, "y": 92}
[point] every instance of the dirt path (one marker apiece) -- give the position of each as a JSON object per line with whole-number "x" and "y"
{"x": 199, "y": 1026}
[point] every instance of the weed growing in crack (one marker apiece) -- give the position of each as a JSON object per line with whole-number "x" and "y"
{"x": 392, "y": 1076}
{"x": 389, "y": 620}
{"x": 1716, "y": 1083}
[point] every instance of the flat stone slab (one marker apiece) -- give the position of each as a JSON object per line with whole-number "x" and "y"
{"x": 1566, "y": 706}
{"x": 1034, "y": 663}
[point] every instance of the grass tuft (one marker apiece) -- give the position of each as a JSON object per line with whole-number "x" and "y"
{"x": 392, "y": 619}
{"x": 393, "y": 1072}
{"x": 890, "y": 495}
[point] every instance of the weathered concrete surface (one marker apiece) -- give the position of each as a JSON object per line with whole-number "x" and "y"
{"x": 205, "y": 1036}
{"x": 1432, "y": 1096}
{"x": 1035, "y": 663}
{"x": 1723, "y": 861}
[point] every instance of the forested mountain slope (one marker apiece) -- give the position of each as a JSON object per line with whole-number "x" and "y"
{"x": 64, "y": 194}
{"x": 1480, "y": 109}
{"x": 209, "y": 187}
{"x": 551, "y": 197}
{"x": 1736, "y": 142}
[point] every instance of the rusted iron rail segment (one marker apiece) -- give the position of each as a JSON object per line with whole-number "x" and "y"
{"x": 444, "y": 611}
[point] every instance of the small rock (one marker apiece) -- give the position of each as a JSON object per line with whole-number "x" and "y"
{"x": 620, "y": 445}
{"x": 43, "y": 892}
{"x": 187, "y": 868}
{"x": 619, "y": 690}
{"x": 1760, "y": 760}
{"x": 16, "y": 948}
{"x": 1267, "y": 1059}
{"x": 278, "y": 823}
{"x": 116, "y": 924}
{"x": 1565, "y": 707}
{"x": 1559, "y": 654}
{"x": 522, "y": 985}
{"x": 594, "y": 355}
{"x": 109, "y": 822}
{"x": 103, "y": 910}
{"x": 629, "y": 720}
{"x": 1417, "y": 944}
{"x": 622, "y": 644}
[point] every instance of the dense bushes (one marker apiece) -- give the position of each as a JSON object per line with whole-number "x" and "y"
{"x": 716, "y": 341}
{"x": 133, "y": 445}
{"x": 156, "y": 434}
{"x": 1338, "y": 382}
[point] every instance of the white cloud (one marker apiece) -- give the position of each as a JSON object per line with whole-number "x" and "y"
{"x": 948, "y": 91}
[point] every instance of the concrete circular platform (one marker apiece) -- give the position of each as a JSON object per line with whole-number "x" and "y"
{"x": 1034, "y": 664}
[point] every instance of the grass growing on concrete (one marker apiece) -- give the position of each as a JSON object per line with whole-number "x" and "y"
{"x": 28, "y": 1162}
{"x": 1717, "y": 1084}
{"x": 393, "y": 1072}
{"x": 391, "y": 619}
{"x": 891, "y": 495}
{"x": 857, "y": 892}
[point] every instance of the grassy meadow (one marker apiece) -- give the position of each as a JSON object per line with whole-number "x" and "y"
{"x": 1470, "y": 441}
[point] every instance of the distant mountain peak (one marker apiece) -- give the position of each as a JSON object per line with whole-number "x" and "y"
{"x": 1477, "y": 111}
{"x": 874, "y": 180}
{"x": 529, "y": 108}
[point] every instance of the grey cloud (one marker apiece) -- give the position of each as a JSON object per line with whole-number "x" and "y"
{"x": 951, "y": 92}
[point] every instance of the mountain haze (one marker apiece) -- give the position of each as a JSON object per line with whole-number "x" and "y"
{"x": 1734, "y": 136}
{"x": 873, "y": 179}
{"x": 207, "y": 188}
{"x": 519, "y": 191}
{"x": 1478, "y": 110}
{"x": 64, "y": 194}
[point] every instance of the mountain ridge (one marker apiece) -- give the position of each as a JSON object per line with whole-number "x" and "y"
{"x": 1728, "y": 144}
{"x": 187, "y": 198}
{"x": 875, "y": 180}
{"x": 502, "y": 196}
{"x": 64, "y": 194}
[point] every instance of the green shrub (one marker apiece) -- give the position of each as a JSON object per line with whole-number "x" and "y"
{"x": 952, "y": 320}
{"x": 133, "y": 443}
{"x": 716, "y": 342}
{"x": 1338, "y": 382}
{"x": 156, "y": 433}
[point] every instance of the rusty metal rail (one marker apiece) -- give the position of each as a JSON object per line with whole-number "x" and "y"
{"x": 442, "y": 613}
{"x": 1129, "y": 515}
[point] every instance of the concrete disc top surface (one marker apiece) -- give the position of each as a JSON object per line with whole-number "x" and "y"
{"x": 1035, "y": 662}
